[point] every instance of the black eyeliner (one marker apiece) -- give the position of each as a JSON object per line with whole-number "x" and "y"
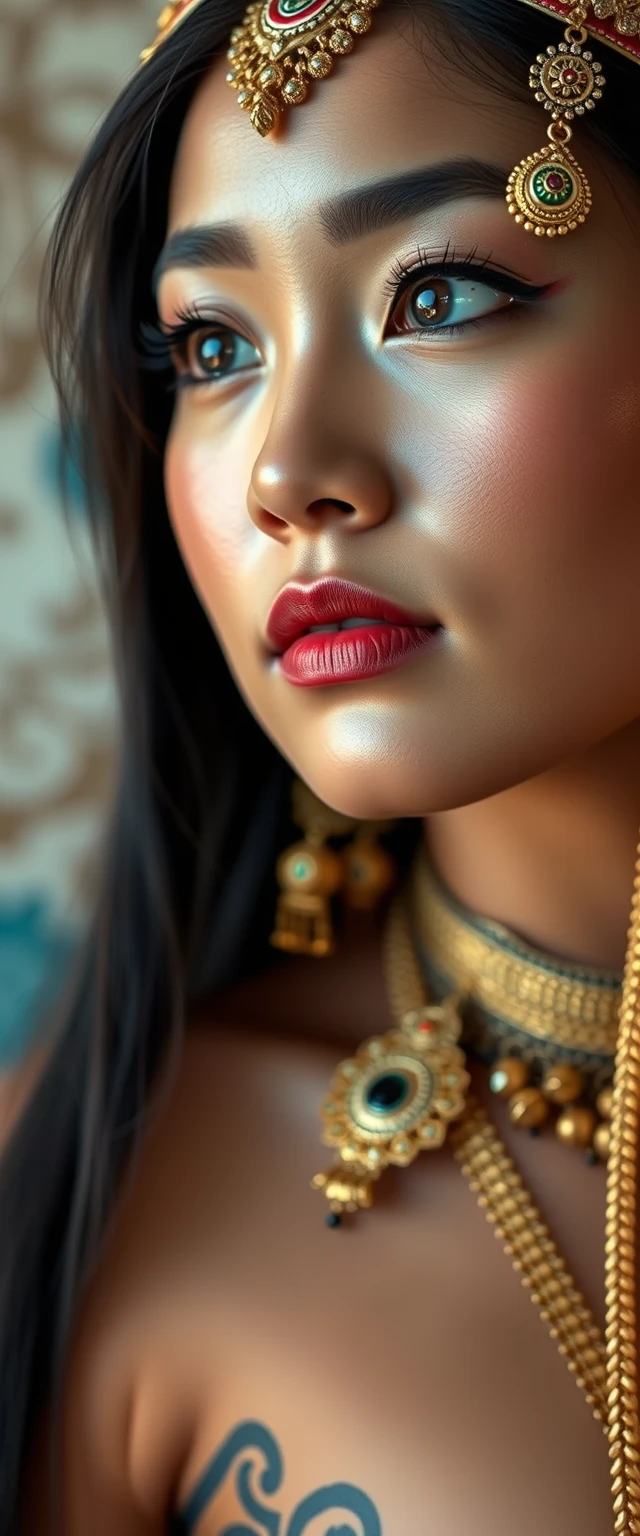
{"x": 406, "y": 276}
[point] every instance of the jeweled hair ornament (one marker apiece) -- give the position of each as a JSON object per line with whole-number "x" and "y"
{"x": 279, "y": 49}
{"x": 282, "y": 46}
{"x": 548, "y": 192}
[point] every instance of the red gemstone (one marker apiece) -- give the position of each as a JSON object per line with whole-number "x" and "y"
{"x": 427, "y": 1028}
{"x": 569, "y": 75}
{"x": 555, "y": 181}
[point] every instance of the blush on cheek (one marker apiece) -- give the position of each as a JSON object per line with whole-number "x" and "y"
{"x": 561, "y": 466}
{"x": 209, "y": 525}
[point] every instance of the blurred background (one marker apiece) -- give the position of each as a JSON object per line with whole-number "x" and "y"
{"x": 61, "y": 62}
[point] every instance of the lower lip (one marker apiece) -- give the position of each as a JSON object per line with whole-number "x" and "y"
{"x": 352, "y": 655}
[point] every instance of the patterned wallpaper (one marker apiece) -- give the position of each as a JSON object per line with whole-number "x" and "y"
{"x": 61, "y": 61}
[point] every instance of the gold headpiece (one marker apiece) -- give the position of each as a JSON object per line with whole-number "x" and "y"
{"x": 279, "y": 49}
{"x": 282, "y": 46}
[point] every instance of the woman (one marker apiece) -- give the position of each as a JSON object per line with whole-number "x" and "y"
{"x": 324, "y": 378}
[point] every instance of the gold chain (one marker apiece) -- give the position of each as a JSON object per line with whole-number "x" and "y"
{"x": 620, "y": 1245}
{"x": 507, "y": 1204}
{"x": 607, "y": 1373}
{"x": 517, "y": 1223}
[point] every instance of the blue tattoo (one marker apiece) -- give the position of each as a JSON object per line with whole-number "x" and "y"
{"x": 336, "y": 1499}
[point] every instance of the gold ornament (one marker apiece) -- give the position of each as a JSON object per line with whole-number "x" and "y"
{"x": 623, "y": 16}
{"x": 171, "y": 15}
{"x": 576, "y": 1125}
{"x": 391, "y": 1101}
{"x": 508, "y": 1076}
{"x": 602, "y": 1140}
{"x": 604, "y": 1103}
{"x": 528, "y": 1108}
{"x": 548, "y": 192}
{"x": 563, "y": 1084}
{"x": 493, "y": 1177}
{"x": 309, "y": 874}
{"x": 518, "y": 995}
{"x": 284, "y": 46}
{"x": 369, "y": 870}
{"x": 611, "y": 1389}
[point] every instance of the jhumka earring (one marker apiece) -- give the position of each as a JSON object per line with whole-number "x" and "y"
{"x": 310, "y": 874}
{"x": 548, "y": 193}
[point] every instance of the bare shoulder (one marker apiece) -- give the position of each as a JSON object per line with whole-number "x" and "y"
{"x": 146, "y": 1353}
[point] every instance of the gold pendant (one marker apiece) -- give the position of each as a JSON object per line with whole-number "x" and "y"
{"x": 283, "y": 46}
{"x": 548, "y": 192}
{"x": 393, "y": 1099}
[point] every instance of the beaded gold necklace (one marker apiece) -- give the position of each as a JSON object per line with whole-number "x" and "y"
{"x": 404, "y": 1091}
{"x": 547, "y": 1027}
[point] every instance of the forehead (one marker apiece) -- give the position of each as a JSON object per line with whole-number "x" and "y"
{"x": 393, "y": 104}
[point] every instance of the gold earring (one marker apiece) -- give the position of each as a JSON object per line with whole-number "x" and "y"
{"x": 309, "y": 874}
{"x": 369, "y": 869}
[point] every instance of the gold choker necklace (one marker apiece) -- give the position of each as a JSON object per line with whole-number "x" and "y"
{"x": 547, "y": 1027}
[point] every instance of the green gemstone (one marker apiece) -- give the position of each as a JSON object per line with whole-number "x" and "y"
{"x": 300, "y": 869}
{"x": 553, "y": 186}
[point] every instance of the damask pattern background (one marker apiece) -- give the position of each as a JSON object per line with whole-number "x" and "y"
{"x": 61, "y": 62}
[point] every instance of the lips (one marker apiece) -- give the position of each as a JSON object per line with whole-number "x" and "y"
{"x": 305, "y": 630}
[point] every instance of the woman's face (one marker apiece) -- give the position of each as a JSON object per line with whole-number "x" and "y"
{"x": 459, "y": 440}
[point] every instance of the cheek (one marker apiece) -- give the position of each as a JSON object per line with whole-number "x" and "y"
{"x": 535, "y": 494}
{"x": 209, "y": 518}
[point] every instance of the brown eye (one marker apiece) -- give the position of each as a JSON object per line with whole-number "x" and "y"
{"x": 446, "y": 304}
{"x": 210, "y": 353}
{"x": 213, "y": 352}
{"x": 427, "y": 303}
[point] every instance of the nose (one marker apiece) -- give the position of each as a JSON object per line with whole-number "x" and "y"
{"x": 312, "y": 475}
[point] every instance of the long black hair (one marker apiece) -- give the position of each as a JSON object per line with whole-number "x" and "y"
{"x": 200, "y": 801}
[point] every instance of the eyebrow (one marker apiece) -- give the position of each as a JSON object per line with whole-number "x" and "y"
{"x": 349, "y": 216}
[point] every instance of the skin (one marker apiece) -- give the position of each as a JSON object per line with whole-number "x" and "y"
{"x": 488, "y": 480}
{"x": 462, "y": 478}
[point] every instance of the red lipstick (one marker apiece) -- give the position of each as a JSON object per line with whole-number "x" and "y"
{"x": 335, "y": 631}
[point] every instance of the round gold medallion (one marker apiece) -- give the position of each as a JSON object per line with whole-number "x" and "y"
{"x": 548, "y": 193}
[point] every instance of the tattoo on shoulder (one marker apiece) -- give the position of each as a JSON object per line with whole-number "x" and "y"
{"x": 251, "y": 1461}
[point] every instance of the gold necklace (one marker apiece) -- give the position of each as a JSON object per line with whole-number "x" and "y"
{"x": 547, "y": 1027}
{"x": 427, "y": 1034}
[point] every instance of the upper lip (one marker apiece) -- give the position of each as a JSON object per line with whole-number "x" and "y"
{"x": 298, "y": 607}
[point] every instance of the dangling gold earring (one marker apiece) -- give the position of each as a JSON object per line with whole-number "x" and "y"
{"x": 369, "y": 869}
{"x": 309, "y": 874}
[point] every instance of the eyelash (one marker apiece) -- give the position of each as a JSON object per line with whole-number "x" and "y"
{"x": 162, "y": 346}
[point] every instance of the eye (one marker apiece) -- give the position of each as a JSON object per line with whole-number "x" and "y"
{"x": 211, "y": 352}
{"x": 445, "y": 303}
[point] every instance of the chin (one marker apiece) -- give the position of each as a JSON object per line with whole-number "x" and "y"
{"x": 400, "y": 787}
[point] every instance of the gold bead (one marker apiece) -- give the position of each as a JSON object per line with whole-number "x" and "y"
{"x": 601, "y": 1140}
{"x": 295, "y": 91}
{"x": 508, "y": 1076}
{"x": 604, "y": 1103}
{"x": 563, "y": 1084}
{"x": 358, "y": 21}
{"x": 576, "y": 1126}
{"x": 528, "y": 1108}
{"x": 340, "y": 41}
{"x": 320, "y": 65}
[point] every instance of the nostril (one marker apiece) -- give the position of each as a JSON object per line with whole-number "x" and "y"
{"x": 331, "y": 501}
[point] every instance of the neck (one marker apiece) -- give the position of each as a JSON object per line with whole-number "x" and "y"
{"x": 553, "y": 858}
